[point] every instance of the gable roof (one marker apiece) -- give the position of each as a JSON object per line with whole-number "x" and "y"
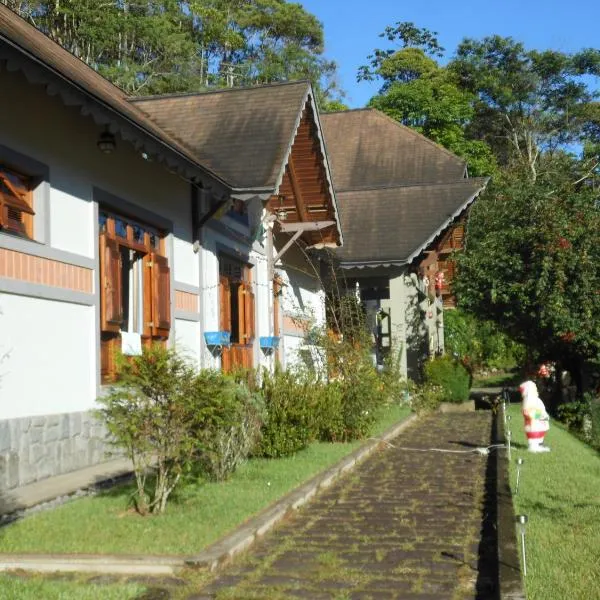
{"x": 392, "y": 225}
{"x": 19, "y": 35}
{"x": 367, "y": 148}
{"x": 242, "y": 134}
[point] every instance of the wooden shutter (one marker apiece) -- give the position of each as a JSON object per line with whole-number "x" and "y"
{"x": 161, "y": 295}
{"x": 242, "y": 325}
{"x": 111, "y": 306}
{"x": 224, "y": 304}
{"x": 249, "y": 327}
{"x": 15, "y": 211}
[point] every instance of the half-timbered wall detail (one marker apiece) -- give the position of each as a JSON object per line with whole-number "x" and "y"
{"x": 43, "y": 271}
{"x": 187, "y": 301}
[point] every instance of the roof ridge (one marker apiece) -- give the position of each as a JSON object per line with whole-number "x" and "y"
{"x": 420, "y": 135}
{"x": 466, "y": 180}
{"x": 346, "y": 110}
{"x": 410, "y": 130}
{"x": 247, "y": 88}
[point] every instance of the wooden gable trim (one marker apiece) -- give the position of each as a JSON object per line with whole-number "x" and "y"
{"x": 304, "y": 193}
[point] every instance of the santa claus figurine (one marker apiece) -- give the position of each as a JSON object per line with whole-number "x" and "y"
{"x": 536, "y": 418}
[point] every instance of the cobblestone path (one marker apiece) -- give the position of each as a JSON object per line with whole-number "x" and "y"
{"x": 403, "y": 525}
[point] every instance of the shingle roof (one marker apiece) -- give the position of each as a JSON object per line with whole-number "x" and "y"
{"x": 19, "y": 34}
{"x": 394, "y": 224}
{"x": 369, "y": 149}
{"x": 242, "y": 134}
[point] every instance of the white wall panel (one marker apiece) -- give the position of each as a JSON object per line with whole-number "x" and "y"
{"x": 51, "y": 362}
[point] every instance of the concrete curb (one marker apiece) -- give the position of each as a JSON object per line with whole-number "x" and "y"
{"x": 219, "y": 553}
{"x": 509, "y": 569}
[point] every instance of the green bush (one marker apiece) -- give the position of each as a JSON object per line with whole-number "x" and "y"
{"x": 290, "y": 422}
{"x": 575, "y": 414}
{"x": 328, "y": 405}
{"x": 229, "y": 418}
{"x": 362, "y": 394}
{"x": 151, "y": 416}
{"x": 479, "y": 344}
{"x": 425, "y": 398}
{"x": 451, "y": 376}
{"x": 595, "y": 419}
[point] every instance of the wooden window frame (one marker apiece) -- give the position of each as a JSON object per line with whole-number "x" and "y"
{"x": 239, "y": 354}
{"x": 156, "y": 287}
{"x": 17, "y": 201}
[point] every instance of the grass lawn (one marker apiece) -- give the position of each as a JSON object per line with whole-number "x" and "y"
{"x": 560, "y": 493}
{"x": 499, "y": 379}
{"x": 197, "y": 516}
{"x": 43, "y": 588}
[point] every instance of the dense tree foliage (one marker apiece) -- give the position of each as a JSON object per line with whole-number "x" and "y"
{"x": 532, "y": 260}
{"x": 420, "y": 93}
{"x": 159, "y": 46}
{"x": 527, "y": 102}
{"x": 532, "y": 120}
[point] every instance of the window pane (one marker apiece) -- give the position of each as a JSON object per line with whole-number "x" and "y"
{"x": 138, "y": 234}
{"x": 120, "y": 228}
{"x": 102, "y": 222}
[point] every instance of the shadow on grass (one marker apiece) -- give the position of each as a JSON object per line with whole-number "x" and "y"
{"x": 10, "y": 510}
{"x": 487, "y": 585}
{"x": 464, "y": 444}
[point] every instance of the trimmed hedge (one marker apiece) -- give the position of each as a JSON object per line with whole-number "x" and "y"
{"x": 451, "y": 376}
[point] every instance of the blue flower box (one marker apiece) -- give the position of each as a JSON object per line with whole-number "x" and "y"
{"x": 217, "y": 338}
{"x": 270, "y": 342}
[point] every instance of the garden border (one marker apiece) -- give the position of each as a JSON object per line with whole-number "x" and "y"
{"x": 216, "y": 555}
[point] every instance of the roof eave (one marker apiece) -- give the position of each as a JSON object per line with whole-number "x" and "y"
{"x": 419, "y": 249}
{"x": 189, "y": 161}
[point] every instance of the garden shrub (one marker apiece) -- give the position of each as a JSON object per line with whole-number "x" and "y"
{"x": 595, "y": 422}
{"x": 229, "y": 420}
{"x": 362, "y": 396}
{"x": 451, "y": 376}
{"x": 480, "y": 344}
{"x": 575, "y": 414}
{"x": 151, "y": 416}
{"x": 425, "y": 398}
{"x": 329, "y": 418}
{"x": 290, "y": 419}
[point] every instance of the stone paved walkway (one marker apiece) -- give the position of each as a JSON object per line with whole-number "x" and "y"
{"x": 403, "y": 525}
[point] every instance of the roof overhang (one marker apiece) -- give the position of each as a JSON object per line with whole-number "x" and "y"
{"x": 418, "y": 250}
{"x": 308, "y": 99}
{"x": 72, "y": 93}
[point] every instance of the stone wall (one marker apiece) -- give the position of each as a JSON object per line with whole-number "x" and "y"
{"x": 33, "y": 448}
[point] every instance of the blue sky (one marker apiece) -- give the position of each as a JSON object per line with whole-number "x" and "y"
{"x": 352, "y": 27}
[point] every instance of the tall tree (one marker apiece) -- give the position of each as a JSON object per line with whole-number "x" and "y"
{"x": 422, "y": 94}
{"x": 532, "y": 256}
{"x": 527, "y": 102}
{"x": 156, "y": 46}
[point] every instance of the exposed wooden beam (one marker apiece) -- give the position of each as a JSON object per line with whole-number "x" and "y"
{"x": 303, "y": 226}
{"x": 296, "y": 188}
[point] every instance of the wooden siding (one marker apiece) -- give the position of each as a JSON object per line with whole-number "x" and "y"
{"x": 304, "y": 190}
{"x": 43, "y": 271}
{"x": 293, "y": 326}
{"x": 439, "y": 258}
{"x": 186, "y": 301}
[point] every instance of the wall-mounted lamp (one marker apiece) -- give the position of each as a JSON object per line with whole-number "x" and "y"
{"x": 106, "y": 142}
{"x": 282, "y": 214}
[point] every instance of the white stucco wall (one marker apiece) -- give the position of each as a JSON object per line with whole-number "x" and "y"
{"x": 187, "y": 339}
{"x": 48, "y": 367}
{"x": 61, "y": 138}
{"x": 58, "y": 340}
